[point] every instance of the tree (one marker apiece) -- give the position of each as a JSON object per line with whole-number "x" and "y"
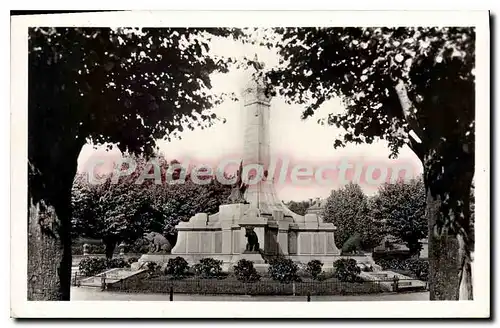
{"x": 410, "y": 86}
{"x": 347, "y": 209}
{"x": 179, "y": 202}
{"x": 299, "y": 208}
{"x": 111, "y": 212}
{"x": 401, "y": 206}
{"x": 127, "y": 87}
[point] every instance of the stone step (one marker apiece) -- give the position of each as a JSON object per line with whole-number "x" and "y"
{"x": 112, "y": 276}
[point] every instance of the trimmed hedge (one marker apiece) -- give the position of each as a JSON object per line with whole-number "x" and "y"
{"x": 91, "y": 266}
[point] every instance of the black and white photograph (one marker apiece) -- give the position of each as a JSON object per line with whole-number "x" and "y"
{"x": 309, "y": 159}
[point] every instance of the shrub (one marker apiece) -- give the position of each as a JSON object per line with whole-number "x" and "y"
{"x": 151, "y": 266}
{"x": 419, "y": 267}
{"x": 314, "y": 268}
{"x": 117, "y": 263}
{"x": 283, "y": 270}
{"x": 245, "y": 271}
{"x": 177, "y": 267}
{"x": 367, "y": 268}
{"x": 208, "y": 268}
{"x": 91, "y": 266}
{"x": 76, "y": 249}
{"x": 132, "y": 259}
{"x": 347, "y": 270}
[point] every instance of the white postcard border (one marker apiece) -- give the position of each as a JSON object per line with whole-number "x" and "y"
{"x": 20, "y": 307}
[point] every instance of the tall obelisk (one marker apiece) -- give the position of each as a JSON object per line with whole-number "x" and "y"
{"x": 256, "y": 109}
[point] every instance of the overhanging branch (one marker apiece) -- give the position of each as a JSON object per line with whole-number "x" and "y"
{"x": 408, "y": 109}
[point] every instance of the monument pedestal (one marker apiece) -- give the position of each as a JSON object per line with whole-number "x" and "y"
{"x": 270, "y": 223}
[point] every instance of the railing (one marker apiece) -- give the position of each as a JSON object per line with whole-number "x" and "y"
{"x": 163, "y": 284}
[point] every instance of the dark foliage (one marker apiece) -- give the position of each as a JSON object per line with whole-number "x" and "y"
{"x": 314, "y": 268}
{"x": 177, "y": 267}
{"x": 283, "y": 270}
{"x": 245, "y": 271}
{"x": 347, "y": 270}
{"x": 208, "y": 268}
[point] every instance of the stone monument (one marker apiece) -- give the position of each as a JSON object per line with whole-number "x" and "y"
{"x": 255, "y": 224}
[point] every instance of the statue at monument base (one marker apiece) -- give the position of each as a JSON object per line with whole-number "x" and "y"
{"x": 252, "y": 241}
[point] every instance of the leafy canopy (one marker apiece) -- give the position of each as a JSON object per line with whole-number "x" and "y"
{"x": 411, "y": 86}
{"x": 123, "y": 86}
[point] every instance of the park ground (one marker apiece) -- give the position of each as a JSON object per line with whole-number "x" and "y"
{"x": 95, "y": 294}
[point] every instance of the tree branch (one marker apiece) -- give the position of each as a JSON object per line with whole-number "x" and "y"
{"x": 417, "y": 147}
{"x": 408, "y": 109}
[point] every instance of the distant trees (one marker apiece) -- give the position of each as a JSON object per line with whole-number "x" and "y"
{"x": 111, "y": 212}
{"x": 401, "y": 206}
{"x": 125, "y": 210}
{"x": 299, "y": 208}
{"x": 348, "y": 209}
{"x": 179, "y": 202}
{"x": 397, "y": 209}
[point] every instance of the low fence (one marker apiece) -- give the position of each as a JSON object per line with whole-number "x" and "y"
{"x": 263, "y": 287}
{"x": 231, "y": 286}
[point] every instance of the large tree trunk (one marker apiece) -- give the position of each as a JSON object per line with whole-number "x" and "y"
{"x": 49, "y": 251}
{"x": 447, "y": 155}
{"x": 450, "y": 274}
{"x": 466, "y": 287}
{"x": 49, "y": 224}
{"x": 443, "y": 257}
{"x": 48, "y": 268}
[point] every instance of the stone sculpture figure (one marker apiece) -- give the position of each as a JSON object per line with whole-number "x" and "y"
{"x": 252, "y": 240}
{"x": 352, "y": 245}
{"x": 238, "y": 189}
{"x": 157, "y": 242}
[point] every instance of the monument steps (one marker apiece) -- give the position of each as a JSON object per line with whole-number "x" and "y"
{"x": 386, "y": 280}
{"x": 112, "y": 276}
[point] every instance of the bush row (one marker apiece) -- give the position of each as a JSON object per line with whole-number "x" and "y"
{"x": 280, "y": 269}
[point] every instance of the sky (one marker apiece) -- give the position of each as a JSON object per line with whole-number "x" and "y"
{"x": 303, "y": 141}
